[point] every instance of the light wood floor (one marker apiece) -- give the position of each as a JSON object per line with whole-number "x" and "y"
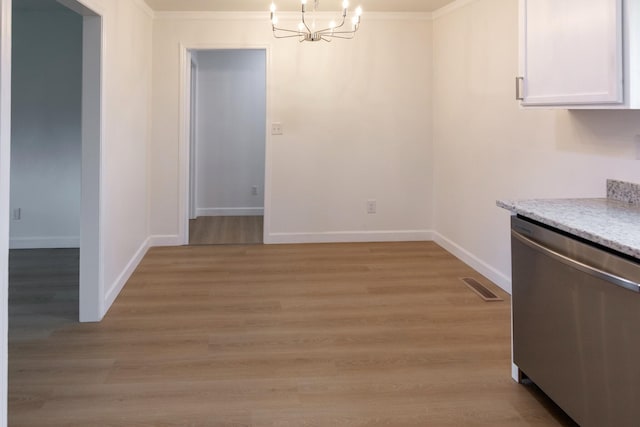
{"x": 225, "y": 230}
{"x": 264, "y": 336}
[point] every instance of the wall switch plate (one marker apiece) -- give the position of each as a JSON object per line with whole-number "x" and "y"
{"x": 371, "y": 206}
{"x": 276, "y": 128}
{"x": 17, "y": 213}
{"x": 254, "y": 190}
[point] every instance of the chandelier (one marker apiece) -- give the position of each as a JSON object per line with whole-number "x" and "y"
{"x": 307, "y": 31}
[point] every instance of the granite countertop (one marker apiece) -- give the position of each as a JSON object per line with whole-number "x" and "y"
{"x": 613, "y": 222}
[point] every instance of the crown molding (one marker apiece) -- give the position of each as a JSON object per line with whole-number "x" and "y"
{"x": 145, "y": 8}
{"x": 450, "y": 8}
{"x": 285, "y": 16}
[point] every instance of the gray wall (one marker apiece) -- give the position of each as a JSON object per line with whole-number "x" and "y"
{"x": 46, "y": 132}
{"x": 231, "y": 103}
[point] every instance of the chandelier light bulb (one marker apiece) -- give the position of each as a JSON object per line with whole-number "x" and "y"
{"x": 274, "y": 20}
{"x": 359, "y": 11}
{"x": 301, "y": 27}
{"x": 273, "y": 7}
{"x": 345, "y": 4}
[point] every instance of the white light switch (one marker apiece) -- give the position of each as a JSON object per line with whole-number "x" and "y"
{"x": 276, "y": 128}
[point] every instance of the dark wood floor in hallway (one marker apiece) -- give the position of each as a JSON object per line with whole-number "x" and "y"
{"x": 367, "y": 334}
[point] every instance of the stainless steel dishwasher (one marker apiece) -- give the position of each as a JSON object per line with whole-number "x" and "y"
{"x": 576, "y": 324}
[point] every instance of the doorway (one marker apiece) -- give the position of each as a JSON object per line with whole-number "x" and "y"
{"x": 55, "y": 166}
{"x": 227, "y": 141}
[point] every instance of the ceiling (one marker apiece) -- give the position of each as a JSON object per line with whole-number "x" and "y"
{"x": 262, "y": 5}
{"x": 328, "y": 5}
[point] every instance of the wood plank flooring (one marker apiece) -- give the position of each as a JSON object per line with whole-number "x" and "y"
{"x": 225, "y": 230}
{"x": 270, "y": 336}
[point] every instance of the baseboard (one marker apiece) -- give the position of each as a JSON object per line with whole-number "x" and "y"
{"x": 474, "y": 262}
{"x": 114, "y": 290}
{"x": 350, "y": 236}
{"x": 167, "y": 240}
{"x": 230, "y": 211}
{"x": 44, "y": 242}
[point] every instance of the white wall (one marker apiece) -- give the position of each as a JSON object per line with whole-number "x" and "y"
{"x": 487, "y": 148}
{"x": 125, "y": 145}
{"x": 356, "y": 117}
{"x": 230, "y": 154}
{"x": 126, "y": 139}
{"x": 46, "y": 132}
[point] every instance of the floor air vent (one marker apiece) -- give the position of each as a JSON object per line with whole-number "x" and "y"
{"x": 480, "y": 289}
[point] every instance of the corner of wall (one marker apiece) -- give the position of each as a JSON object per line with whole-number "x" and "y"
{"x": 445, "y": 10}
{"x": 145, "y": 8}
{"x": 116, "y": 287}
{"x": 474, "y": 262}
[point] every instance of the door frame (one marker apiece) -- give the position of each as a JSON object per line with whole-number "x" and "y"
{"x": 193, "y": 123}
{"x": 184, "y": 154}
{"x": 5, "y": 165}
{"x": 91, "y": 280}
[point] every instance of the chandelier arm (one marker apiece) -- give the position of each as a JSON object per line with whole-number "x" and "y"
{"x": 344, "y": 32}
{"x": 344, "y": 17}
{"x": 305, "y": 22}
{"x": 284, "y": 37}
{"x": 342, "y": 37}
{"x": 286, "y": 30}
{"x": 329, "y": 29}
{"x": 277, "y": 36}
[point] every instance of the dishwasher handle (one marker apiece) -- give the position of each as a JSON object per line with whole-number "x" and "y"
{"x": 591, "y": 270}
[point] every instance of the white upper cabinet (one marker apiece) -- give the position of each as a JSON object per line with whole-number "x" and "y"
{"x": 579, "y": 53}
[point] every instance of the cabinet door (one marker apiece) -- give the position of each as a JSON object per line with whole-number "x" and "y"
{"x": 571, "y": 52}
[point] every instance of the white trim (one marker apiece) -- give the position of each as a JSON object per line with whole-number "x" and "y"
{"x": 184, "y": 134}
{"x": 350, "y": 237}
{"x": 145, "y": 8}
{"x": 184, "y": 143}
{"x": 115, "y": 288}
{"x": 166, "y": 240}
{"x": 474, "y": 262}
{"x": 39, "y": 242}
{"x": 92, "y": 275}
{"x": 285, "y": 16}
{"x": 266, "y": 219}
{"x": 229, "y": 211}
{"x": 83, "y": 7}
{"x": 515, "y": 371}
{"x": 450, "y": 8}
{"x": 5, "y": 165}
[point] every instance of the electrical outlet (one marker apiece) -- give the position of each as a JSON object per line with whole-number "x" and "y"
{"x": 17, "y": 213}
{"x": 254, "y": 190}
{"x": 371, "y": 206}
{"x": 276, "y": 128}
